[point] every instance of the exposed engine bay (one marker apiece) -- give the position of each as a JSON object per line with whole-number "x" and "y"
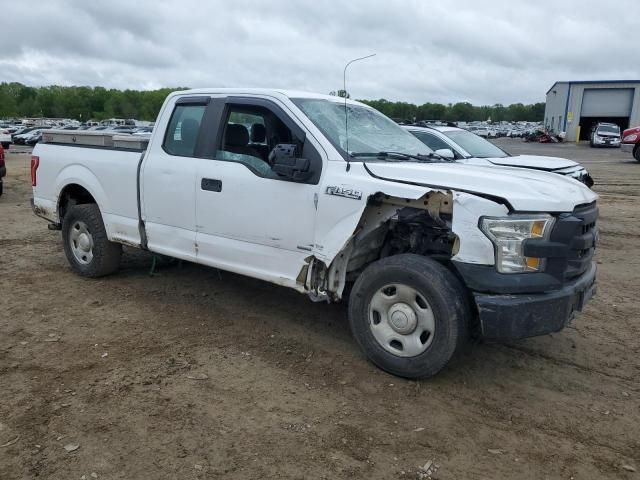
{"x": 389, "y": 226}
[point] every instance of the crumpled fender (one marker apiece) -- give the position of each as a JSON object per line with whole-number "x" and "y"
{"x": 474, "y": 246}
{"x": 333, "y": 234}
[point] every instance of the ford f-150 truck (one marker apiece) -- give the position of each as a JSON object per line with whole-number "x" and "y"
{"x": 276, "y": 185}
{"x": 631, "y": 142}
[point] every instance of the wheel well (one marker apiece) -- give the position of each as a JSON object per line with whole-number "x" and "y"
{"x": 71, "y": 195}
{"x": 392, "y": 226}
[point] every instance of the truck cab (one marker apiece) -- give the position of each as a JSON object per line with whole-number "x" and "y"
{"x": 328, "y": 196}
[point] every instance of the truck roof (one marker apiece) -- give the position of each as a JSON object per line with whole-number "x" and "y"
{"x": 264, "y": 91}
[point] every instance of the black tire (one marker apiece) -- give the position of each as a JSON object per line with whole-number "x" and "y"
{"x": 0, "y": 187}
{"x": 636, "y": 152}
{"x": 446, "y": 296}
{"x": 6, "y": 145}
{"x": 105, "y": 255}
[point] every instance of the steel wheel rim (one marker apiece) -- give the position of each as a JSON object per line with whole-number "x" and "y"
{"x": 81, "y": 242}
{"x": 401, "y": 320}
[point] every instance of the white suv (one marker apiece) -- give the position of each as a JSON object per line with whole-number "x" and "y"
{"x": 464, "y": 146}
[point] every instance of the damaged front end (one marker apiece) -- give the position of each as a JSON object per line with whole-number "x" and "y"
{"x": 388, "y": 226}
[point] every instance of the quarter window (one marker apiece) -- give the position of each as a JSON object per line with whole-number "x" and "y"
{"x": 183, "y": 129}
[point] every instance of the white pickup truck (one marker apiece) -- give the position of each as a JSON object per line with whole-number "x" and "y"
{"x": 272, "y": 184}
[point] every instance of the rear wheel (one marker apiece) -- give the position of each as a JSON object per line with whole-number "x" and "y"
{"x": 86, "y": 245}
{"x": 409, "y": 314}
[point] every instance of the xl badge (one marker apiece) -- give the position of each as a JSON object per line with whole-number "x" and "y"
{"x": 344, "y": 192}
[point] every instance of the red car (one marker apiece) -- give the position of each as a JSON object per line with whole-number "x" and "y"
{"x": 3, "y": 168}
{"x": 631, "y": 142}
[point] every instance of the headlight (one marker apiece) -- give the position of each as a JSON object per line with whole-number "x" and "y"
{"x": 508, "y": 235}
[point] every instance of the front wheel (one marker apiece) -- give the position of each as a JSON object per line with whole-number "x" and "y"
{"x": 88, "y": 250}
{"x": 409, "y": 314}
{"x": 636, "y": 152}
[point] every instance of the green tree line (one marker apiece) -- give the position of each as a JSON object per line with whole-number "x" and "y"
{"x": 85, "y": 103}
{"x": 82, "y": 103}
{"x": 462, "y": 111}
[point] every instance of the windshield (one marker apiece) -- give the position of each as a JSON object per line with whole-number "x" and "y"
{"x": 476, "y": 146}
{"x": 369, "y": 130}
{"x": 609, "y": 129}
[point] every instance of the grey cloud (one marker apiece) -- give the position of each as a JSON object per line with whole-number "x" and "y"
{"x": 489, "y": 52}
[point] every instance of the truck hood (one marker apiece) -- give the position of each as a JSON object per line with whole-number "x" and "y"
{"x": 534, "y": 161}
{"x": 523, "y": 189}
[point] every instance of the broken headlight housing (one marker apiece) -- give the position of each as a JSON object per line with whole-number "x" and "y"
{"x": 508, "y": 235}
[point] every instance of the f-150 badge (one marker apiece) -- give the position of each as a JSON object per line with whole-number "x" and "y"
{"x": 344, "y": 192}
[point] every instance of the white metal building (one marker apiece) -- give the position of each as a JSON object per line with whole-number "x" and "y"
{"x": 584, "y": 103}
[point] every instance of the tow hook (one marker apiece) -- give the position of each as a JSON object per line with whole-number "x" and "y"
{"x": 54, "y": 226}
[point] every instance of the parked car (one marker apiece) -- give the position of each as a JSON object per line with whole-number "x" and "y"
{"x": 33, "y": 138}
{"x": 21, "y": 131}
{"x": 481, "y": 132}
{"x": 3, "y": 167}
{"x": 22, "y": 138}
{"x": 464, "y": 146}
{"x": 143, "y": 131}
{"x": 5, "y": 138}
{"x": 430, "y": 248}
{"x": 631, "y": 142}
{"x": 606, "y": 135}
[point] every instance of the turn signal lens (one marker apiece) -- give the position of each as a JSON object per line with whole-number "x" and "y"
{"x": 533, "y": 263}
{"x": 537, "y": 228}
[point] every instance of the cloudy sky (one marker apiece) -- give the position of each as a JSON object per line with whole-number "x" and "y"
{"x": 485, "y": 52}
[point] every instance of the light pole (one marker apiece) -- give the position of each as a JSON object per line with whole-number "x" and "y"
{"x": 344, "y": 91}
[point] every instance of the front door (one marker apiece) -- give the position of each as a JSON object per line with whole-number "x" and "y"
{"x": 248, "y": 219}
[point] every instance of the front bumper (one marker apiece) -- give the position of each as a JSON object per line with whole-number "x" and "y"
{"x": 627, "y": 147}
{"x": 504, "y": 317}
{"x": 607, "y": 142}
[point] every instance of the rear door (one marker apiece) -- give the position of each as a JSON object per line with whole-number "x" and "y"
{"x": 168, "y": 180}
{"x": 250, "y": 220}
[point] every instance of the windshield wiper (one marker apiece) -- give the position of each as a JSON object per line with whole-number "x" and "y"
{"x": 430, "y": 157}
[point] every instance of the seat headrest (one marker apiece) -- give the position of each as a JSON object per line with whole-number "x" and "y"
{"x": 258, "y": 133}
{"x": 236, "y": 136}
{"x": 189, "y": 130}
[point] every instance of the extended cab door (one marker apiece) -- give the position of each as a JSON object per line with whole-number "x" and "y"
{"x": 168, "y": 179}
{"x": 250, "y": 220}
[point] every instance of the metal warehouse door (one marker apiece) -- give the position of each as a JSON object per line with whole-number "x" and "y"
{"x": 607, "y": 102}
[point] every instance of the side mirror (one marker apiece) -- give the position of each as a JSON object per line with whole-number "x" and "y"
{"x": 446, "y": 153}
{"x": 285, "y": 162}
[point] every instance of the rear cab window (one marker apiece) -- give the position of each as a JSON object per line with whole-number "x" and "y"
{"x": 183, "y": 129}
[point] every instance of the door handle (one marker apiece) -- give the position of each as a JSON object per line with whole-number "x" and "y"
{"x": 211, "y": 185}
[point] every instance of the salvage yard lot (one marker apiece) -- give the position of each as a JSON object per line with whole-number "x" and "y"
{"x": 198, "y": 373}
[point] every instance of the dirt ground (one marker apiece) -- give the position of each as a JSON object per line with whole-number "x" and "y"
{"x": 199, "y": 374}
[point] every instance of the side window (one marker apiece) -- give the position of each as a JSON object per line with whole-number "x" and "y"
{"x": 433, "y": 142}
{"x": 182, "y": 131}
{"x": 249, "y": 134}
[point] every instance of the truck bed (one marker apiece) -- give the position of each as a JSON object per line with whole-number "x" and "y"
{"x": 105, "y": 165}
